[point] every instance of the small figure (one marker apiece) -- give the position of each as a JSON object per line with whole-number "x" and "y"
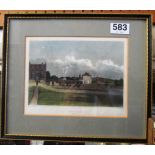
{"x": 37, "y": 82}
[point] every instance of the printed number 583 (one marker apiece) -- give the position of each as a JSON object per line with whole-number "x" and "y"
{"x": 120, "y": 27}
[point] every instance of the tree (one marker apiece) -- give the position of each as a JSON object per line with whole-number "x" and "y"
{"x": 47, "y": 76}
{"x": 54, "y": 78}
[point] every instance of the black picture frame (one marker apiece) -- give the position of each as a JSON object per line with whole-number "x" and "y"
{"x": 5, "y": 75}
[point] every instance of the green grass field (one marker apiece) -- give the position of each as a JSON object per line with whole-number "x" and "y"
{"x": 49, "y": 97}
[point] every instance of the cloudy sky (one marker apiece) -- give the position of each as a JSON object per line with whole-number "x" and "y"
{"x": 71, "y": 58}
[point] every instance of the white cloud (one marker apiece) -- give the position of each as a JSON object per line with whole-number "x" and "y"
{"x": 108, "y": 63}
{"x": 70, "y": 66}
{"x": 70, "y": 60}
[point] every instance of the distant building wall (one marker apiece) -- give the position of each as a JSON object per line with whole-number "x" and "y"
{"x": 86, "y": 78}
{"x": 37, "y": 71}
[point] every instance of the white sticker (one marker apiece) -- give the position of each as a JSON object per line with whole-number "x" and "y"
{"x": 120, "y": 28}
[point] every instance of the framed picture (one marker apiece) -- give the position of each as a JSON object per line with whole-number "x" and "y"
{"x": 76, "y": 77}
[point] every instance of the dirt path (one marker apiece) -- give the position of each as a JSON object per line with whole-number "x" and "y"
{"x": 35, "y": 97}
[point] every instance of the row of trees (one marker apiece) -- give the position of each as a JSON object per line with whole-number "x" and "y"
{"x": 56, "y": 79}
{"x": 51, "y": 78}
